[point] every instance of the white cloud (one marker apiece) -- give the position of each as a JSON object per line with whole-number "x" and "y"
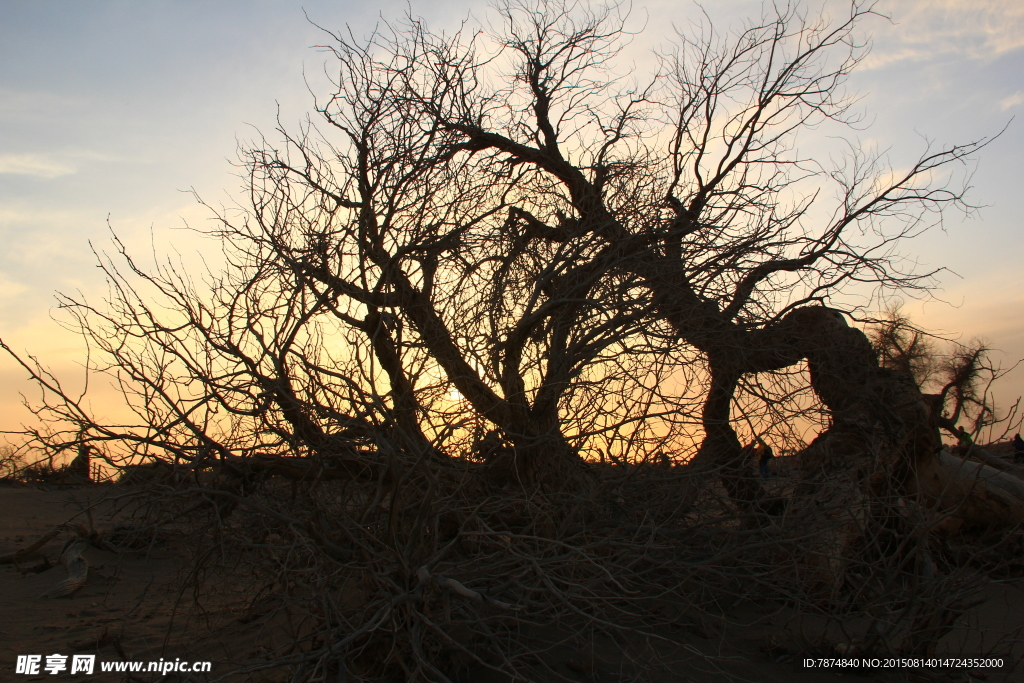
{"x": 33, "y": 165}
{"x": 1012, "y": 101}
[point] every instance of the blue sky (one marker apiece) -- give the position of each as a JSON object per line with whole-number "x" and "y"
{"x": 114, "y": 108}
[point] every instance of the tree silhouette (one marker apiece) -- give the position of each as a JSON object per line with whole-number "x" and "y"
{"x": 488, "y": 249}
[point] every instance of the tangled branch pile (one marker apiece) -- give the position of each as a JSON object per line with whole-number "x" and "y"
{"x": 417, "y": 573}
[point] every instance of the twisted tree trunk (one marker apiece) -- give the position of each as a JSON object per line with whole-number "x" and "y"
{"x": 884, "y": 437}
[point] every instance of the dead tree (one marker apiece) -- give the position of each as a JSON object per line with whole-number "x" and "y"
{"x": 487, "y": 252}
{"x": 681, "y": 189}
{"x": 524, "y": 228}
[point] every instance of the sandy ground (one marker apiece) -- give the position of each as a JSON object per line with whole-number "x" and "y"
{"x": 132, "y": 608}
{"x": 127, "y": 606}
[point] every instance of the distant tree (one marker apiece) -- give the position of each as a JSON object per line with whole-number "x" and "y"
{"x": 957, "y": 381}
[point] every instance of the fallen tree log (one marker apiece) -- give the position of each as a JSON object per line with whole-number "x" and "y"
{"x": 17, "y": 556}
{"x": 978, "y": 494}
{"x": 984, "y": 456}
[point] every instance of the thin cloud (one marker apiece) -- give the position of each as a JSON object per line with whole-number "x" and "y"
{"x": 969, "y": 29}
{"x": 33, "y": 165}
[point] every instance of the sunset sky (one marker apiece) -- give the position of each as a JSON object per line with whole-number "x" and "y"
{"x": 115, "y": 109}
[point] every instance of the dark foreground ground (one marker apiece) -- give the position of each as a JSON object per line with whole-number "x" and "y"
{"x": 133, "y": 608}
